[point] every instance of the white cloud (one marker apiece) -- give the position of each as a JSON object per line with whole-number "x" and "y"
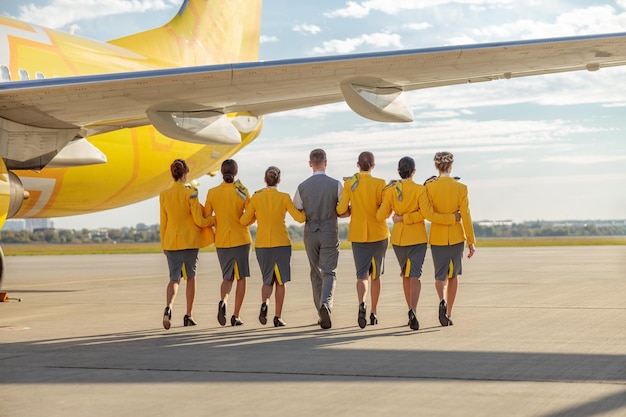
{"x": 362, "y": 9}
{"x": 308, "y": 29}
{"x": 315, "y": 112}
{"x": 444, "y": 114}
{"x": 580, "y": 21}
{"x": 352, "y": 9}
{"x": 584, "y": 182}
{"x": 58, "y": 13}
{"x": 522, "y": 152}
{"x": 554, "y": 90}
{"x": 374, "y": 40}
{"x": 585, "y": 159}
{"x": 268, "y": 39}
{"x": 615, "y": 104}
{"x": 472, "y": 136}
{"x": 417, "y": 26}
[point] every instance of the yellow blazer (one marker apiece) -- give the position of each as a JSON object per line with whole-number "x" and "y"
{"x": 448, "y": 195}
{"x": 409, "y": 200}
{"x": 268, "y": 206}
{"x": 182, "y": 224}
{"x": 228, "y": 201}
{"x": 363, "y": 194}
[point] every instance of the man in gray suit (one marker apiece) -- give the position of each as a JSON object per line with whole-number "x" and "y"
{"x": 318, "y": 196}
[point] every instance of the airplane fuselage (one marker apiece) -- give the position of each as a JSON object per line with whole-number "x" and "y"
{"x": 137, "y": 159}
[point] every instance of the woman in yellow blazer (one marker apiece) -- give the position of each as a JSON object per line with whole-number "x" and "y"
{"x": 232, "y": 240}
{"x": 447, "y": 241}
{"x": 184, "y": 230}
{"x": 362, "y": 194}
{"x": 272, "y": 244}
{"x": 409, "y": 239}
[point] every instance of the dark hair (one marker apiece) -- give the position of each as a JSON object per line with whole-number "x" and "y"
{"x": 317, "y": 157}
{"x": 178, "y": 169}
{"x": 443, "y": 161}
{"x": 406, "y": 166}
{"x": 366, "y": 161}
{"x": 229, "y": 170}
{"x": 272, "y": 176}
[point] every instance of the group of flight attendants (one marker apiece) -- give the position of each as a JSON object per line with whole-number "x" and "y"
{"x": 186, "y": 225}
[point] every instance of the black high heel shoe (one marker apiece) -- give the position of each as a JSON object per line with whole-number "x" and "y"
{"x": 413, "y": 323}
{"x": 278, "y": 322}
{"x": 221, "y": 313}
{"x": 373, "y": 319}
{"x": 167, "y": 316}
{"x": 235, "y": 321}
{"x": 188, "y": 321}
{"x": 361, "y": 318}
{"x": 263, "y": 314}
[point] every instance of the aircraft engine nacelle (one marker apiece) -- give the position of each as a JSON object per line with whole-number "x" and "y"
{"x": 12, "y": 196}
{"x": 5, "y": 200}
{"x": 17, "y": 195}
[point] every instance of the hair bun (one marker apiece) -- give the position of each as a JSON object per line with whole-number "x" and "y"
{"x": 444, "y": 157}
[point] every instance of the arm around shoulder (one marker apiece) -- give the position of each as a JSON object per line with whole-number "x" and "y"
{"x": 343, "y": 206}
{"x": 249, "y": 215}
{"x": 384, "y": 211}
{"x": 466, "y": 218}
{"x": 296, "y": 214}
{"x": 197, "y": 212}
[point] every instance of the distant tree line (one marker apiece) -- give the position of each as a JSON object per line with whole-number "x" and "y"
{"x": 144, "y": 233}
{"x": 549, "y": 229}
{"x": 139, "y": 234}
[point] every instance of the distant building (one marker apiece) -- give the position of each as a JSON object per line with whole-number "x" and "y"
{"x": 101, "y": 233}
{"x": 487, "y": 223}
{"x": 40, "y": 224}
{"x": 15, "y": 224}
{"x": 28, "y": 224}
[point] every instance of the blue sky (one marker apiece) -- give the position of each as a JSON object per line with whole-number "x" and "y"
{"x": 549, "y": 147}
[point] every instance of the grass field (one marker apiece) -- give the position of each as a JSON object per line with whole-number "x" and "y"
{"x": 110, "y": 248}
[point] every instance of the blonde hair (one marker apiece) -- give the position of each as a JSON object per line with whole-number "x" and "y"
{"x": 443, "y": 161}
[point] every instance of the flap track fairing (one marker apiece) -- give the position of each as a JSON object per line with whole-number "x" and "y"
{"x": 204, "y": 127}
{"x": 376, "y": 100}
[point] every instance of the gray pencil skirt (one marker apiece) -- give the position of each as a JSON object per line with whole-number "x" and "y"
{"x": 369, "y": 258}
{"x": 411, "y": 259}
{"x": 275, "y": 264}
{"x": 182, "y": 263}
{"x": 235, "y": 262}
{"x": 447, "y": 260}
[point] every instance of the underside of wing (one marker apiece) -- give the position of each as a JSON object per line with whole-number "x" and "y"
{"x": 184, "y": 102}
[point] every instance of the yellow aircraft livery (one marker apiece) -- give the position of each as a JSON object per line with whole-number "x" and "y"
{"x": 130, "y": 164}
{"x": 88, "y": 126}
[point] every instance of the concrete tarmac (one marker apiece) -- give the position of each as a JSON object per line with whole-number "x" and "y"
{"x": 537, "y": 332}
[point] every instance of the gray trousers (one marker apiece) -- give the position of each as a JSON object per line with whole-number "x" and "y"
{"x": 322, "y": 249}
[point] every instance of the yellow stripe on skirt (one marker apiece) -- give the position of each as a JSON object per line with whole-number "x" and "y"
{"x": 277, "y": 275}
